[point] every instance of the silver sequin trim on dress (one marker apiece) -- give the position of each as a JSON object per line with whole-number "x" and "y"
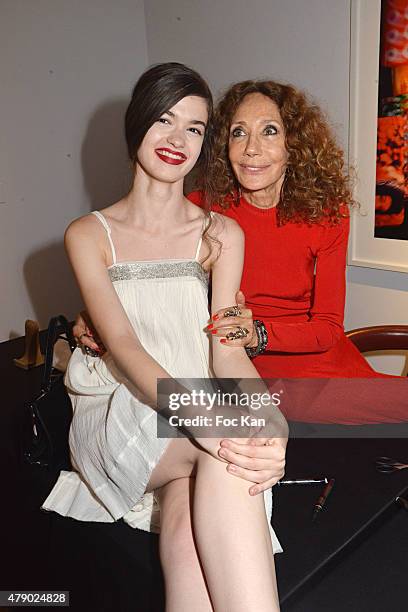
{"x": 151, "y": 269}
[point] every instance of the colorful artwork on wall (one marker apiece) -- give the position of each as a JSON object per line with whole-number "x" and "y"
{"x": 378, "y": 133}
{"x": 391, "y": 198}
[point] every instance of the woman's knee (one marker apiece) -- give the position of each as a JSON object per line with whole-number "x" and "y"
{"x": 217, "y": 477}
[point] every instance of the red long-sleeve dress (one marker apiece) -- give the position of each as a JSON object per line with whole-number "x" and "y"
{"x": 294, "y": 281}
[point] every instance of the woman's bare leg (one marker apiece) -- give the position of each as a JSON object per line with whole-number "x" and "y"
{"x": 233, "y": 541}
{"x": 230, "y": 529}
{"x": 184, "y": 580}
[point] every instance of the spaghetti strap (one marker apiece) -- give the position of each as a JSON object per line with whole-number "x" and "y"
{"x": 206, "y": 224}
{"x": 105, "y": 224}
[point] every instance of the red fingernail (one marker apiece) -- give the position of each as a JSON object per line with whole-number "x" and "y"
{"x": 223, "y": 341}
{"x": 213, "y": 331}
{"x": 210, "y": 326}
{"x": 215, "y": 317}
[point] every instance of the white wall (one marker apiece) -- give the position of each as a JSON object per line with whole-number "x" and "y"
{"x": 67, "y": 68}
{"x": 305, "y": 42}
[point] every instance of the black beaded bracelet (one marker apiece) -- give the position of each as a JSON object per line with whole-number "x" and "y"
{"x": 262, "y": 340}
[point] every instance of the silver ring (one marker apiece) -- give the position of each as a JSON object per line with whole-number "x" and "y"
{"x": 233, "y": 312}
{"x": 90, "y": 352}
{"x": 241, "y": 332}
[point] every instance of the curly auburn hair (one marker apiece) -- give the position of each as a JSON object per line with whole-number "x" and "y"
{"x": 316, "y": 185}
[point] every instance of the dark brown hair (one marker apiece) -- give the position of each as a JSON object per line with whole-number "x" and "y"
{"x": 316, "y": 184}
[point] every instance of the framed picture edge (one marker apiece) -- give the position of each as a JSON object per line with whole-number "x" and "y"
{"x": 364, "y": 249}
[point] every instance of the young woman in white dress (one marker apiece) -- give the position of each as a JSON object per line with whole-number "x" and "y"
{"x": 142, "y": 267}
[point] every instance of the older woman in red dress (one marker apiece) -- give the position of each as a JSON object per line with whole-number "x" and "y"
{"x": 279, "y": 173}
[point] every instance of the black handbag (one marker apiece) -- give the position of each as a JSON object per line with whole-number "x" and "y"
{"x": 48, "y": 416}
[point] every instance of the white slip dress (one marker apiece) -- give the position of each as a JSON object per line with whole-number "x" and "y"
{"x": 113, "y": 458}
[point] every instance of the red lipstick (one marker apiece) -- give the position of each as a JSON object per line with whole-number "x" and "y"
{"x": 175, "y": 158}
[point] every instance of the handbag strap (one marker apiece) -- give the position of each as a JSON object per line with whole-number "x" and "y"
{"x": 56, "y": 326}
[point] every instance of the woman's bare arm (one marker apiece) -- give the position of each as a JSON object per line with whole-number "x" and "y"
{"x": 233, "y": 362}
{"x": 229, "y": 361}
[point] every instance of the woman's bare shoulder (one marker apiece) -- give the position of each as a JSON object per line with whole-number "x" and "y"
{"x": 85, "y": 240}
{"x": 226, "y": 228}
{"x": 88, "y": 224}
